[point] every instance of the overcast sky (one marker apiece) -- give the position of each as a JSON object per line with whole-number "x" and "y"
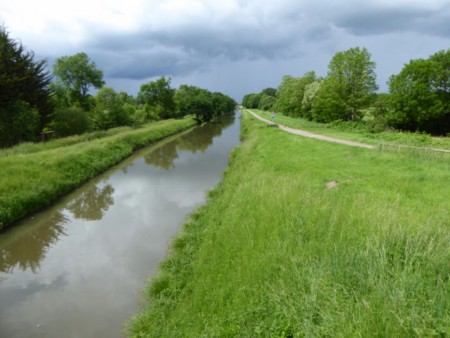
{"x": 232, "y": 46}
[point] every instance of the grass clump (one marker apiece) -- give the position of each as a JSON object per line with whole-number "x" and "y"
{"x": 33, "y": 178}
{"x": 274, "y": 253}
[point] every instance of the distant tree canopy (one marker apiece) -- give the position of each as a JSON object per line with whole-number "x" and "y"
{"x": 263, "y": 100}
{"x": 420, "y": 95}
{"x": 203, "y": 104}
{"x": 25, "y": 99}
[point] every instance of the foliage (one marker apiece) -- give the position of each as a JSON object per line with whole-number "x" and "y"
{"x": 267, "y": 102}
{"x": 349, "y": 86}
{"x": 274, "y": 253}
{"x": 264, "y": 100}
{"x": 18, "y": 122}
{"x": 111, "y": 109}
{"x": 309, "y": 96}
{"x": 158, "y": 98}
{"x": 251, "y": 100}
{"x": 70, "y": 121}
{"x": 203, "y": 104}
{"x": 33, "y": 179}
{"x": 222, "y": 104}
{"x": 75, "y": 75}
{"x": 290, "y": 94}
{"x": 420, "y": 95}
{"x": 375, "y": 116}
{"x": 269, "y": 91}
{"x": 23, "y": 85}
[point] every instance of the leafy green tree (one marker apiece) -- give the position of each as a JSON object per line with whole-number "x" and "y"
{"x": 375, "y": 116}
{"x": 158, "y": 98}
{"x": 196, "y": 101}
{"x": 109, "y": 109}
{"x": 290, "y": 94}
{"x": 420, "y": 95}
{"x": 24, "y": 93}
{"x": 309, "y": 97}
{"x": 328, "y": 105}
{"x": 267, "y": 102}
{"x": 76, "y": 75}
{"x": 349, "y": 86}
{"x": 251, "y": 100}
{"x": 222, "y": 104}
{"x": 269, "y": 91}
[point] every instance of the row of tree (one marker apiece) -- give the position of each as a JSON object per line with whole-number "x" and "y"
{"x": 418, "y": 97}
{"x": 35, "y": 103}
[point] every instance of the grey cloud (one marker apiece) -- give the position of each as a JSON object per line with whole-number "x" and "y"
{"x": 373, "y": 20}
{"x": 178, "y": 51}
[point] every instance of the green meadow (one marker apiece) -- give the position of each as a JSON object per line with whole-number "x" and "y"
{"x": 33, "y": 175}
{"x": 307, "y": 238}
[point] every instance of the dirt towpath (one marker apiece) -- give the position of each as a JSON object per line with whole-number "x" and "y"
{"x": 312, "y": 135}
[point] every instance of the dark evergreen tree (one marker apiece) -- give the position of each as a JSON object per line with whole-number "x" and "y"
{"x": 24, "y": 91}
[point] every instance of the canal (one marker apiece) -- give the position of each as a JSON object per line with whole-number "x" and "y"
{"x": 76, "y": 269}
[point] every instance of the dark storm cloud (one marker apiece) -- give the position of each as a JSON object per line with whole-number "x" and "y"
{"x": 178, "y": 51}
{"x": 374, "y": 20}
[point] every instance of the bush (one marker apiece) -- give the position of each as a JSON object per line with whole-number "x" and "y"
{"x": 70, "y": 121}
{"x": 18, "y": 122}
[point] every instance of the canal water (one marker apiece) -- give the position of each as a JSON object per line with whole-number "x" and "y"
{"x": 76, "y": 269}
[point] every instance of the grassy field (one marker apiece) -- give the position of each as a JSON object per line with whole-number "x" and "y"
{"x": 275, "y": 253}
{"x": 355, "y": 132}
{"x": 34, "y": 175}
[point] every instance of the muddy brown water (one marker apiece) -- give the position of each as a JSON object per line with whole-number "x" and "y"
{"x": 76, "y": 269}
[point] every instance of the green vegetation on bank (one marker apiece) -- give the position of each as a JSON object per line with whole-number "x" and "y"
{"x": 33, "y": 176}
{"x": 274, "y": 253}
{"x": 418, "y": 97}
{"x": 357, "y": 132}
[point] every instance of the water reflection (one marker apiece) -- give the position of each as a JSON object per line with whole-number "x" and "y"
{"x": 164, "y": 156}
{"x": 92, "y": 204}
{"x": 24, "y": 248}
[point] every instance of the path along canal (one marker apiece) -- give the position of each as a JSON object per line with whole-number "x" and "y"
{"x": 76, "y": 268}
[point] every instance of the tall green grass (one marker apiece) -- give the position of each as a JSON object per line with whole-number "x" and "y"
{"x": 35, "y": 177}
{"x": 274, "y": 253}
{"x": 357, "y": 132}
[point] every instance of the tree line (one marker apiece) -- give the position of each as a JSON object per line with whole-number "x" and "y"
{"x": 418, "y": 98}
{"x": 35, "y": 103}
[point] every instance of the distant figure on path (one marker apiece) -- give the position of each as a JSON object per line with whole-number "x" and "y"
{"x": 273, "y": 116}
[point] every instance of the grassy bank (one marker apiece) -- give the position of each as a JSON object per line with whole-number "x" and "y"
{"x": 357, "y": 132}
{"x": 33, "y": 176}
{"x": 274, "y": 253}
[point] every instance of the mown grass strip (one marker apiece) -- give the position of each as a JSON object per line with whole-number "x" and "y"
{"x": 356, "y": 132}
{"x": 29, "y": 181}
{"x": 275, "y": 253}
